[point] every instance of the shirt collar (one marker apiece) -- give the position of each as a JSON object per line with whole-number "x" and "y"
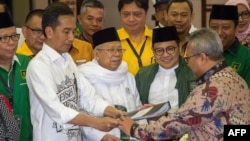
{"x": 54, "y": 55}
{"x": 160, "y": 25}
{"x": 124, "y": 34}
{"x": 192, "y": 29}
{"x": 233, "y": 47}
{"x": 26, "y": 49}
{"x": 81, "y": 37}
{"x": 211, "y": 72}
{"x": 15, "y": 59}
{"x": 168, "y": 71}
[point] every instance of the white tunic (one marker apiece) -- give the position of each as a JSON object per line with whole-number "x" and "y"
{"x": 163, "y": 88}
{"x": 118, "y": 87}
{"x": 53, "y": 82}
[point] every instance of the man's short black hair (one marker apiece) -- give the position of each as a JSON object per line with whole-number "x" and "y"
{"x": 35, "y": 12}
{"x": 140, "y": 3}
{"x": 190, "y": 4}
{"x": 51, "y": 14}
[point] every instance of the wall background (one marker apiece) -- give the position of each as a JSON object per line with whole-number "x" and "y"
{"x": 112, "y": 13}
{"x": 112, "y": 18}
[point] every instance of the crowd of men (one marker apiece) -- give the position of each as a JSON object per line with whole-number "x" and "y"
{"x": 73, "y": 79}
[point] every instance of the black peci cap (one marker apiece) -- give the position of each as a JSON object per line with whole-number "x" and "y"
{"x": 224, "y": 12}
{"x": 168, "y": 33}
{"x": 105, "y": 35}
{"x": 6, "y": 20}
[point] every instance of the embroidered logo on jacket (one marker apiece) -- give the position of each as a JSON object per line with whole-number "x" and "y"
{"x": 236, "y": 66}
{"x": 23, "y": 74}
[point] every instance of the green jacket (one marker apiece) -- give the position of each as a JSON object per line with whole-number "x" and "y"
{"x": 185, "y": 80}
{"x": 20, "y": 95}
{"x": 238, "y": 57}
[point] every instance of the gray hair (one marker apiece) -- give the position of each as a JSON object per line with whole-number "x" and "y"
{"x": 206, "y": 41}
{"x": 98, "y": 47}
{"x": 91, "y": 3}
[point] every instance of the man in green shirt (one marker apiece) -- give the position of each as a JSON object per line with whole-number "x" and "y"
{"x": 170, "y": 79}
{"x": 224, "y": 20}
{"x": 13, "y": 75}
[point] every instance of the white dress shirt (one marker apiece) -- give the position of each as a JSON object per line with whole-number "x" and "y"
{"x": 57, "y": 92}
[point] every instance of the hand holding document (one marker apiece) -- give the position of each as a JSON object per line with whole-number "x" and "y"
{"x": 150, "y": 112}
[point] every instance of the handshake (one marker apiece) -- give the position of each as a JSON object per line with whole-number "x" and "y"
{"x": 115, "y": 117}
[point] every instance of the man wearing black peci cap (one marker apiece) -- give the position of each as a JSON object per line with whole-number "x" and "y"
{"x": 170, "y": 79}
{"x": 160, "y": 7}
{"x": 13, "y": 76}
{"x": 111, "y": 79}
{"x": 105, "y": 36}
{"x": 224, "y": 20}
{"x": 220, "y": 98}
{"x": 170, "y": 75}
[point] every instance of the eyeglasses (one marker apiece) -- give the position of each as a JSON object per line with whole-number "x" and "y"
{"x": 37, "y": 31}
{"x": 6, "y": 39}
{"x": 112, "y": 50}
{"x": 244, "y": 15}
{"x": 186, "y": 59}
{"x": 160, "y": 51}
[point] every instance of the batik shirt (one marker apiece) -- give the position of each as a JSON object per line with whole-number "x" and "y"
{"x": 221, "y": 97}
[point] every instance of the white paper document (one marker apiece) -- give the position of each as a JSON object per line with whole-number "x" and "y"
{"x": 150, "y": 112}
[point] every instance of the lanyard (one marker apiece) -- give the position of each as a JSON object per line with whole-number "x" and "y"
{"x": 138, "y": 56}
{"x": 10, "y": 88}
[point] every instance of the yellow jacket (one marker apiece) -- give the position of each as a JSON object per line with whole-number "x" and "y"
{"x": 129, "y": 56}
{"x": 81, "y": 51}
{"x": 24, "y": 50}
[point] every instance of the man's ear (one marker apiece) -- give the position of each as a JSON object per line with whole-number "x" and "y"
{"x": 96, "y": 54}
{"x": 154, "y": 17}
{"x": 48, "y": 32}
{"x": 79, "y": 18}
{"x": 204, "y": 58}
{"x": 24, "y": 31}
{"x": 166, "y": 15}
{"x": 182, "y": 48}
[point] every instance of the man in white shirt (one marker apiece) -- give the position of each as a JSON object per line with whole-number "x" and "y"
{"x": 111, "y": 79}
{"x": 169, "y": 79}
{"x": 180, "y": 14}
{"x": 57, "y": 90}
